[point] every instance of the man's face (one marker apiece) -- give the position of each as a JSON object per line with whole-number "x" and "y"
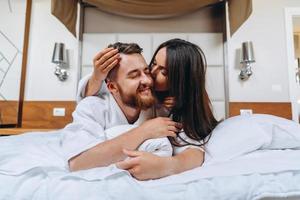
{"x": 134, "y": 82}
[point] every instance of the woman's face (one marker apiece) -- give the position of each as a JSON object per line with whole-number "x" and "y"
{"x": 159, "y": 71}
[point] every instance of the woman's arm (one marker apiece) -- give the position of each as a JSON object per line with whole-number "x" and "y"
{"x": 144, "y": 165}
{"x": 103, "y": 62}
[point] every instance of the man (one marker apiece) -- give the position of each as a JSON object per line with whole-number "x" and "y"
{"x": 129, "y": 83}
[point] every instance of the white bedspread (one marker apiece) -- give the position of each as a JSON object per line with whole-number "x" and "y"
{"x": 32, "y": 167}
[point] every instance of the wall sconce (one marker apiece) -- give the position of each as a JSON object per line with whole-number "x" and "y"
{"x": 247, "y": 57}
{"x": 298, "y": 76}
{"x": 298, "y": 72}
{"x": 59, "y": 57}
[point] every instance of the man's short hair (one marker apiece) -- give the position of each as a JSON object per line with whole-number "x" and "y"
{"x": 124, "y": 48}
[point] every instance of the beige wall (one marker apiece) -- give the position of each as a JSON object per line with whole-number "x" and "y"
{"x": 45, "y": 30}
{"x": 266, "y": 28}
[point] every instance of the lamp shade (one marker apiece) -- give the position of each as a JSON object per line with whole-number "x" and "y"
{"x": 59, "y": 54}
{"x": 247, "y": 54}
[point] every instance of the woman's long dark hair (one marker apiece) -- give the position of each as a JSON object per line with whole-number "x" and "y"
{"x": 186, "y": 65}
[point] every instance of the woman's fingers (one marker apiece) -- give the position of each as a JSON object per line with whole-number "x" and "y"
{"x": 128, "y": 163}
{"x": 178, "y": 125}
{"x": 174, "y": 129}
{"x": 132, "y": 153}
{"x": 107, "y": 63}
{"x": 106, "y": 56}
{"x": 101, "y": 53}
{"x": 172, "y": 133}
{"x": 175, "y": 124}
{"x": 112, "y": 65}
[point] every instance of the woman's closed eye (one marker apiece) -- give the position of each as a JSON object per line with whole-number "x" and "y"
{"x": 147, "y": 71}
{"x": 164, "y": 71}
{"x": 152, "y": 65}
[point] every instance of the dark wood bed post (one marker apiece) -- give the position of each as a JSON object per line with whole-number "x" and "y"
{"x": 24, "y": 61}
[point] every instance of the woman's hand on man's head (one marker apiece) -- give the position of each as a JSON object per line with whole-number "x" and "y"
{"x": 103, "y": 62}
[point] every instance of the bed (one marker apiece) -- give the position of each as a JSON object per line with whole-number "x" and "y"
{"x": 248, "y": 157}
{"x": 254, "y": 157}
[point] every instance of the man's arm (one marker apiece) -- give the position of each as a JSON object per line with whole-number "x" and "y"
{"x": 111, "y": 151}
{"x": 144, "y": 165}
{"x": 107, "y": 152}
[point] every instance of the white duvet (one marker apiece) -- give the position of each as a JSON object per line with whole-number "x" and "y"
{"x": 247, "y": 158}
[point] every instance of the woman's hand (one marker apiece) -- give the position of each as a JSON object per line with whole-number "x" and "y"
{"x": 160, "y": 127}
{"x": 104, "y": 61}
{"x": 144, "y": 165}
{"x": 169, "y": 102}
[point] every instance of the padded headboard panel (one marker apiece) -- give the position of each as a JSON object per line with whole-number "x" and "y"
{"x": 211, "y": 44}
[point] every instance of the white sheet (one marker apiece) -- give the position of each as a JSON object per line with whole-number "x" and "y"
{"x": 32, "y": 167}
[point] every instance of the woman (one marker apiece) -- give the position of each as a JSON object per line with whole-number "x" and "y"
{"x": 178, "y": 68}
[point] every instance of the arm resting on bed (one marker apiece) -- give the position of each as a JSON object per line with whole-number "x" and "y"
{"x": 144, "y": 165}
{"x": 107, "y": 152}
{"x": 186, "y": 160}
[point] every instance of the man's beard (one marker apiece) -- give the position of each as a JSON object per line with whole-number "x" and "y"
{"x": 137, "y": 100}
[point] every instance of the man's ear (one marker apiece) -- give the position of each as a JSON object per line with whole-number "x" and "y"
{"x": 111, "y": 86}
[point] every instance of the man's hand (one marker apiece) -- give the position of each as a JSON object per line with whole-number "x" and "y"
{"x": 160, "y": 127}
{"x": 144, "y": 165}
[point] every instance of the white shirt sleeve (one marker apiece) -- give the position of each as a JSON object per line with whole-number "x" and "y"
{"x": 82, "y": 86}
{"x": 87, "y": 128}
{"x": 177, "y": 150}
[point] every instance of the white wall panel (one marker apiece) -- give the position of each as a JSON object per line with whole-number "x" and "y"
{"x": 93, "y": 43}
{"x": 162, "y": 37}
{"x": 215, "y": 83}
{"x": 144, "y": 40}
{"x": 211, "y": 44}
{"x": 218, "y": 109}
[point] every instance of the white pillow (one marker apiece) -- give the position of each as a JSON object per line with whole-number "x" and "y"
{"x": 159, "y": 146}
{"x": 232, "y": 138}
{"x": 283, "y": 133}
{"x": 240, "y": 135}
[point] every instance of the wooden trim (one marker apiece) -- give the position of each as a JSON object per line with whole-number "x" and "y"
{"x": 9, "y": 113}
{"x": 24, "y": 61}
{"x": 280, "y": 109}
{"x": 17, "y": 131}
{"x": 39, "y": 114}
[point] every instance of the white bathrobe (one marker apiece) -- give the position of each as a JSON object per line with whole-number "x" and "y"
{"x": 97, "y": 119}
